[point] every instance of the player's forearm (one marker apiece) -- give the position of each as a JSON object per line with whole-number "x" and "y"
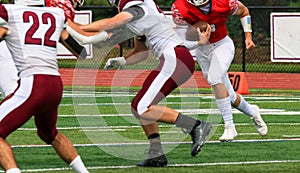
{"x": 248, "y": 36}
{"x": 135, "y": 58}
{"x": 138, "y": 54}
{"x": 3, "y": 32}
{"x": 76, "y": 28}
{"x": 109, "y": 23}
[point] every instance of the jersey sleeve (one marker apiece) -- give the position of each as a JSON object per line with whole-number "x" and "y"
{"x": 178, "y": 19}
{"x": 233, "y": 6}
{"x": 3, "y": 17}
{"x": 136, "y": 11}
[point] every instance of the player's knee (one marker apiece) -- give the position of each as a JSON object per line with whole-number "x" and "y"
{"x": 135, "y": 113}
{"x": 232, "y": 97}
{"x": 137, "y": 110}
{"x": 47, "y": 137}
{"x": 214, "y": 79}
{"x": 134, "y": 105}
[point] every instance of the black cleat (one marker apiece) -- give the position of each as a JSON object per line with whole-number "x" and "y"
{"x": 157, "y": 159}
{"x": 198, "y": 135}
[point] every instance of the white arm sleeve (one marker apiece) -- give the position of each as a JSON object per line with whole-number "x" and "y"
{"x": 181, "y": 31}
{"x": 191, "y": 44}
{"x": 102, "y": 36}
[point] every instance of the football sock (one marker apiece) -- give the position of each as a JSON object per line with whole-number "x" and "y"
{"x": 246, "y": 108}
{"x": 13, "y": 170}
{"x": 155, "y": 142}
{"x": 78, "y": 166}
{"x": 186, "y": 122}
{"x": 224, "y": 106}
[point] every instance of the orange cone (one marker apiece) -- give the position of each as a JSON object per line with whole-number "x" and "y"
{"x": 239, "y": 82}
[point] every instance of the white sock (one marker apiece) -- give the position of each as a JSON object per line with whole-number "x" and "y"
{"x": 246, "y": 108}
{"x": 13, "y": 170}
{"x": 224, "y": 106}
{"x": 78, "y": 166}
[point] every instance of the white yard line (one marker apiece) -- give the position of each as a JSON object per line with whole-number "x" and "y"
{"x": 164, "y": 143}
{"x": 169, "y": 165}
{"x": 138, "y": 126}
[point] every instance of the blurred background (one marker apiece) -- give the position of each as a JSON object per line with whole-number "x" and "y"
{"x": 254, "y": 60}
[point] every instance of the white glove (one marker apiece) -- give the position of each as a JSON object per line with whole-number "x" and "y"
{"x": 114, "y": 63}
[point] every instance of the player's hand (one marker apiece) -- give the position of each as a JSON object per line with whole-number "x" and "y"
{"x": 114, "y": 63}
{"x": 249, "y": 44}
{"x": 204, "y": 35}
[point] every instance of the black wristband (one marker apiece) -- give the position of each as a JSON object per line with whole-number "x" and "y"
{"x": 73, "y": 44}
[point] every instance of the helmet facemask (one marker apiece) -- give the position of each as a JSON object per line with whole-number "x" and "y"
{"x": 198, "y": 2}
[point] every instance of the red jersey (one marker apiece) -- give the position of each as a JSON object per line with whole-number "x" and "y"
{"x": 217, "y": 15}
{"x": 66, "y": 5}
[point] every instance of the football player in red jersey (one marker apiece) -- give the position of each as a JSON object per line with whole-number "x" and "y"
{"x": 216, "y": 57}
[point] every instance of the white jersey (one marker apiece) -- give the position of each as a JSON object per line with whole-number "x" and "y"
{"x": 8, "y": 71}
{"x": 5, "y": 54}
{"x": 29, "y": 28}
{"x": 156, "y": 27}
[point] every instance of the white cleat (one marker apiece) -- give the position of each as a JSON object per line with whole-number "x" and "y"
{"x": 229, "y": 134}
{"x": 259, "y": 123}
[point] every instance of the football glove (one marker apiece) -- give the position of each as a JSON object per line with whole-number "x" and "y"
{"x": 114, "y": 63}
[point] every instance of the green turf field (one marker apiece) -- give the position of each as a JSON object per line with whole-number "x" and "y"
{"x": 109, "y": 138}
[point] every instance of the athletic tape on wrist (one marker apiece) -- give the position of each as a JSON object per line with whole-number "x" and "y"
{"x": 246, "y": 23}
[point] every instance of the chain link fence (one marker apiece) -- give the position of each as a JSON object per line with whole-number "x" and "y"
{"x": 257, "y": 59}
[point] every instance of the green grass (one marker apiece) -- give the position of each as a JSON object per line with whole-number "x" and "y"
{"x": 268, "y": 154}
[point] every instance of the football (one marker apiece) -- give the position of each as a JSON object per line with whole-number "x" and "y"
{"x": 192, "y": 34}
{"x": 201, "y": 25}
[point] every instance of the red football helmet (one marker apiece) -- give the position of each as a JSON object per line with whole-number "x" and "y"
{"x": 75, "y": 3}
{"x": 30, "y": 2}
{"x": 66, "y": 5}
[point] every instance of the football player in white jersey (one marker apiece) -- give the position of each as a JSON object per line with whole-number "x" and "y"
{"x": 32, "y": 34}
{"x": 220, "y": 49}
{"x": 146, "y": 20}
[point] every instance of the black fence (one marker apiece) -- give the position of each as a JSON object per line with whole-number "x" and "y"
{"x": 257, "y": 59}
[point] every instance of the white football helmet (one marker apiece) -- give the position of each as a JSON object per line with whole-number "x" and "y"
{"x": 198, "y": 2}
{"x": 30, "y": 2}
{"x": 77, "y": 3}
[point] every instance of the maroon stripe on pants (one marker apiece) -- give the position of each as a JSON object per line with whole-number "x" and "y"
{"x": 185, "y": 66}
{"x": 42, "y": 103}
